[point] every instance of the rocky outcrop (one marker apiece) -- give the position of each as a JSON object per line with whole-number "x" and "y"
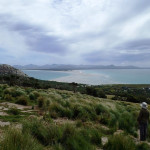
{"x": 9, "y": 70}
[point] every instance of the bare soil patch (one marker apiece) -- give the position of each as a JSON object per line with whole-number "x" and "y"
{"x": 21, "y": 107}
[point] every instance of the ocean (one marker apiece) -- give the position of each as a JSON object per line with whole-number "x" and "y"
{"x": 95, "y": 77}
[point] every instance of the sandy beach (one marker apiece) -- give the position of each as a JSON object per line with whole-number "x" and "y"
{"x": 79, "y": 76}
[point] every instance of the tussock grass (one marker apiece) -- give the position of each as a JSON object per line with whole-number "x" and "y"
{"x": 120, "y": 142}
{"x": 66, "y": 136}
{"x": 91, "y": 119}
{"x": 143, "y": 146}
{"x": 15, "y": 140}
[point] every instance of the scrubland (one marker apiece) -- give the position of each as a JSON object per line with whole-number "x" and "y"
{"x": 50, "y": 119}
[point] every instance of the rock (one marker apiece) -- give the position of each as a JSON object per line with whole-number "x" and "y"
{"x": 2, "y": 124}
{"x": 9, "y": 70}
{"x": 3, "y": 114}
{"x": 118, "y": 132}
{"x": 104, "y": 140}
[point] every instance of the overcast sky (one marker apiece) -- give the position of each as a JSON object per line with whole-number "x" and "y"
{"x": 75, "y": 32}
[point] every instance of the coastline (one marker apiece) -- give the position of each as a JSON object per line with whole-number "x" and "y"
{"x": 79, "y": 76}
{"x": 94, "y": 77}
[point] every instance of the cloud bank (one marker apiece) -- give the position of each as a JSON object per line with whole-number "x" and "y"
{"x": 75, "y": 32}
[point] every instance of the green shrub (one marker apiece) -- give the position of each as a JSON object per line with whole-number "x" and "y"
{"x": 8, "y": 91}
{"x": 46, "y": 135}
{"x": 67, "y": 135}
{"x": 36, "y": 94}
{"x": 22, "y": 100}
{"x": 8, "y": 97}
{"x": 104, "y": 119}
{"x": 17, "y": 92}
{"x": 47, "y": 103}
{"x": 58, "y": 147}
{"x": 74, "y": 140}
{"x": 127, "y": 122}
{"x": 32, "y": 96}
{"x": 148, "y": 131}
{"x": 79, "y": 123}
{"x": 41, "y": 101}
{"x": 15, "y": 140}
{"x": 143, "y": 146}
{"x": 96, "y": 137}
{"x": 112, "y": 121}
{"x": 120, "y": 142}
{"x": 100, "y": 109}
{"x": 14, "y": 111}
{"x": 79, "y": 112}
{"x": 56, "y": 108}
{"x": 67, "y": 113}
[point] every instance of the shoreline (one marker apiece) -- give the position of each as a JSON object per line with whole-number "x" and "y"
{"x": 91, "y": 77}
{"x": 78, "y": 76}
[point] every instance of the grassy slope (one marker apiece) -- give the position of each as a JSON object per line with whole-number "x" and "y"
{"x": 87, "y": 121}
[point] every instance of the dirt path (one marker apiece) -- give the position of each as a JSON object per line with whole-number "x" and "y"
{"x": 9, "y": 105}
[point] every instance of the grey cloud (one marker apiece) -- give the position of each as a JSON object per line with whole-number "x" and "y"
{"x": 135, "y": 57}
{"x": 48, "y": 44}
{"x": 97, "y": 57}
{"x": 35, "y": 37}
{"x": 137, "y": 44}
{"x": 22, "y": 27}
{"x": 134, "y": 51}
{"x": 130, "y": 10}
{"x": 38, "y": 41}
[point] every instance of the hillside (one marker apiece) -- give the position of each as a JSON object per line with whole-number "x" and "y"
{"x": 50, "y": 119}
{"x": 124, "y": 92}
{"x": 9, "y": 70}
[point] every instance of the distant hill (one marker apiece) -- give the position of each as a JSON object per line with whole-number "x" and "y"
{"x": 9, "y": 70}
{"x": 72, "y": 67}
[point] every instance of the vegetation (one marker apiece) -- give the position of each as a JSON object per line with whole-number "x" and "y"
{"x": 55, "y": 119}
{"x": 131, "y": 93}
{"x": 15, "y": 140}
{"x": 120, "y": 142}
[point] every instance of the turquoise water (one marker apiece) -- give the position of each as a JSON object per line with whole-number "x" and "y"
{"x": 45, "y": 74}
{"x": 126, "y": 76}
{"x": 99, "y": 76}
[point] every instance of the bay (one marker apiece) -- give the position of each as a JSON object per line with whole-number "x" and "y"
{"x": 45, "y": 74}
{"x": 95, "y": 76}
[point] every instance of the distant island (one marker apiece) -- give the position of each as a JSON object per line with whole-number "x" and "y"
{"x": 65, "y": 67}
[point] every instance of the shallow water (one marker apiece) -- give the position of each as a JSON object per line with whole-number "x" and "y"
{"x": 95, "y": 77}
{"x": 45, "y": 74}
{"x": 126, "y": 76}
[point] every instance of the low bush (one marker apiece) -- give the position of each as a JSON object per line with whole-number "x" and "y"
{"x": 74, "y": 140}
{"x": 14, "y": 111}
{"x": 96, "y": 137}
{"x": 127, "y": 123}
{"x": 148, "y": 133}
{"x": 8, "y": 97}
{"x": 32, "y": 96}
{"x": 67, "y": 135}
{"x": 18, "y": 92}
{"x": 46, "y": 135}
{"x": 100, "y": 109}
{"x": 41, "y": 101}
{"x": 143, "y": 146}
{"x": 113, "y": 121}
{"x": 36, "y": 94}
{"x": 56, "y": 108}
{"x": 120, "y": 142}
{"x": 15, "y": 140}
{"x": 22, "y": 100}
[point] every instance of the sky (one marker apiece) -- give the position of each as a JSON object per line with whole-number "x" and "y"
{"x": 98, "y": 32}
